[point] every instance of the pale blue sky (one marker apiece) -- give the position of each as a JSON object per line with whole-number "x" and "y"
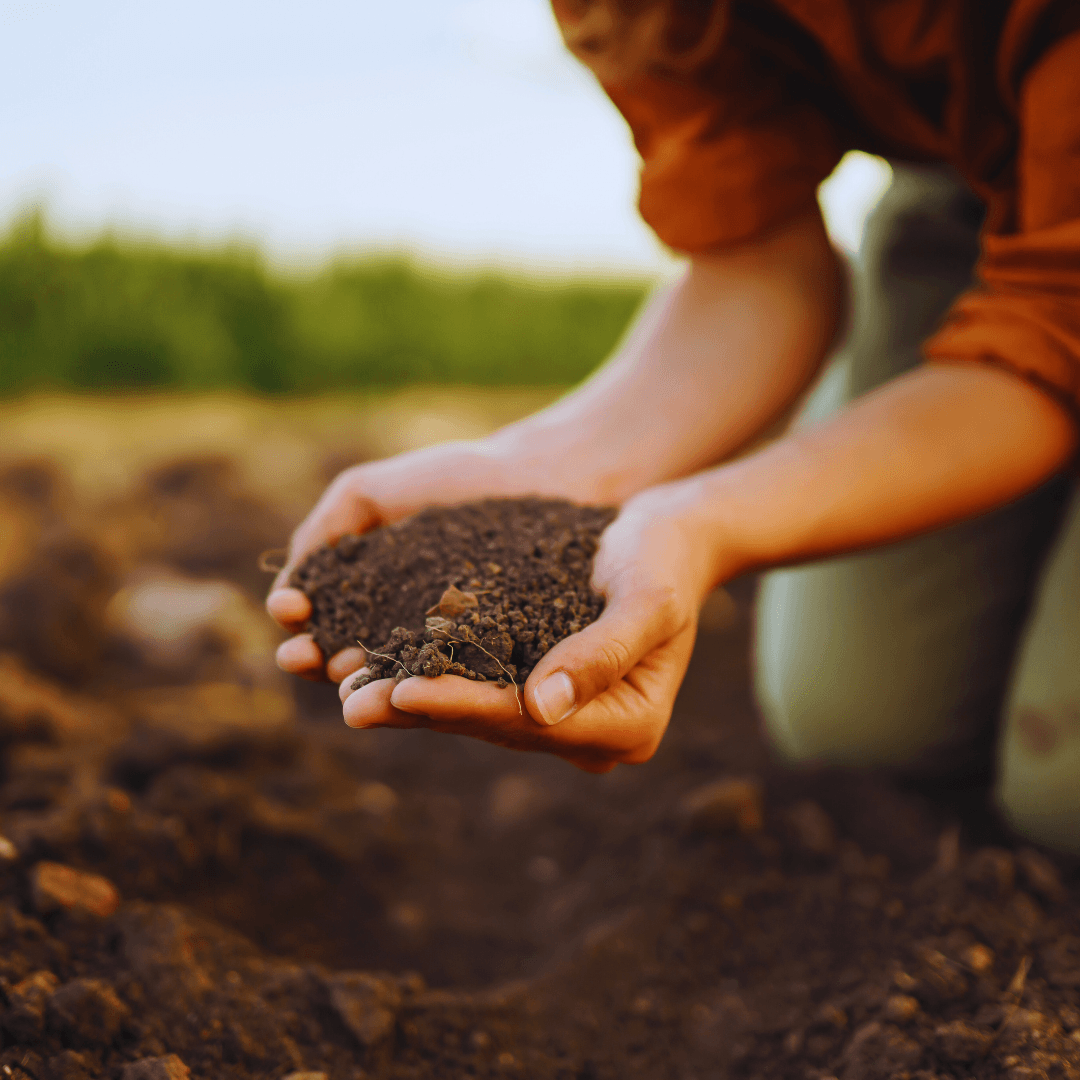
{"x": 454, "y": 127}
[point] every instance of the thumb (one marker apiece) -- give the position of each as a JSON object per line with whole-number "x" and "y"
{"x": 588, "y": 663}
{"x": 339, "y": 511}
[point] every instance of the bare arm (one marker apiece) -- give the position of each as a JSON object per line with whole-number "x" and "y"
{"x": 933, "y": 447}
{"x": 712, "y": 361}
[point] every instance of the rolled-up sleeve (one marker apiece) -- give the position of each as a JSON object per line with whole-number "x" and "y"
{"x": 725, "y": 156}
{"x": 1025, "y": 312}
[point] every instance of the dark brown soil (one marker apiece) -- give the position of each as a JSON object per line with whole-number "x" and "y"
{"x": 282, "y": 894}
{"x": 481, "y": 590}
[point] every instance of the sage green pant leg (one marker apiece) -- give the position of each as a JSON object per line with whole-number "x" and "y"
{"x": 1039, "y": 770}
{"x": 901, "y": 656}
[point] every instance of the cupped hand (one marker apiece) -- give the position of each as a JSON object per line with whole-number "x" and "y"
{"x": 604, "y": 695}
{"x": 360, "y": 499}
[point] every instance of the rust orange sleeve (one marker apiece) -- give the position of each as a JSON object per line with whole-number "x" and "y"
{"x": 1025, "y": 313}
{"x": 726, "y": 154}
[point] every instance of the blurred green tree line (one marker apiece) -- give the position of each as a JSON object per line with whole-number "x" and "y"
{"x": 120, "y": 315}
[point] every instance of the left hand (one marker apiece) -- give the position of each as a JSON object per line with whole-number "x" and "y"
{"x": 604, "y": 695}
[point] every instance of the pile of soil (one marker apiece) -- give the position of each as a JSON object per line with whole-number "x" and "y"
{"x": 481, "y": 590}
{"x": 200, "y": 879}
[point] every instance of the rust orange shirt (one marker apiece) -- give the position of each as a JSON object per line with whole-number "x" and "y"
{"x": 989, "y": 86}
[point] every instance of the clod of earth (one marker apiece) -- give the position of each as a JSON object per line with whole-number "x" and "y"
{"x": 365, "y": 1004}
{"x": 731, "y": 804}
{"x": 482, "y": 590}
{"x": 55, "y": 886}
{"x": 86, "y": 1012}
{"x": 169, "y": 1067}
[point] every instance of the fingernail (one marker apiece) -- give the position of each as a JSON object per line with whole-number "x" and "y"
{"x": 555, "y": 698}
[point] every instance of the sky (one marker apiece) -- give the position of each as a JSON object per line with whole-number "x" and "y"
{"x": 458, "y": 129}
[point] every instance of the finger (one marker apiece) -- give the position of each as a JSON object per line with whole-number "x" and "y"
{"x": 346, "y": 687}
{"x": 457, "y": 706}
{"x": 586, "y": 664}
{"x": 340, "y": 510}
{"x": 345, "y": 663}
{"x": 290, "y": 608}
{"x": 451, "y": 699}
{"x": 301, "y": 656}
{"x": 370, "y": 707}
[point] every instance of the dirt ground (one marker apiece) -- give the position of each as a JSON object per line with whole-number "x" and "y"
{"x": 203, "y": 872}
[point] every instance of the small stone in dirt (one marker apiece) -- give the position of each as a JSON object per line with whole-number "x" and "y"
{"x": 939, "y": 979}
{"x": 118, "y": 801}
{"x": 813, "y": 829}
{"x": 169, "y": 1067}
{"x": 306, "y": 1076}
{"x": 86, "y": 1012}
{"x": 157, "y": 943}
{"x": 961, "y": 1042}
{"x": 979, "y": 958}
{"x": 8, "y": 851}
{"x": 831, "y": 1015}
{"x": 1019, "y": 980}
{"x": 55, "y": 886}
{"x": 70, "y": 1065}
{"x": 25, "y": 1019}
{"x": 376, "y": 798}
{"x": 724, "y": 806}
{"x": 900, "y": 1008}
{"x": 880, "y": 1051}
{"x": 1041, "y": 874}
{"x": 366, "y": 1005}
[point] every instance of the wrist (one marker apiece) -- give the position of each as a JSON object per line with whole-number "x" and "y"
{"x": 688, "y": 534}
{"x": 543, "y": 456}
{"x": 446, "y": 473}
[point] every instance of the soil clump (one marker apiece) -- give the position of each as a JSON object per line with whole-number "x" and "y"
{"x": 482, "y": 590}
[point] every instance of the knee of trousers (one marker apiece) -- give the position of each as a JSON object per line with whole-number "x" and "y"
{"x": 1038, "y": 788}
{"x": 1039, "y": 749}
{"x": 832, "y": 686}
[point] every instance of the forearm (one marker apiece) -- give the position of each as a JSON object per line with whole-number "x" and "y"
{"x": 931, "y": 448}
{"x": 712, "y": 362}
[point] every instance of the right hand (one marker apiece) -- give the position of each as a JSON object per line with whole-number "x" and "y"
{"x": 359, "y": 499}
{"x": 604, "y": 695}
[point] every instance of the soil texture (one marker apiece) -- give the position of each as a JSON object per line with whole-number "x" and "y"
{"x": 203, "y": 873}
{"x": 481, "y": 590}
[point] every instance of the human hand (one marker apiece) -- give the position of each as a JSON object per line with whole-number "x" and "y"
{"x": 604, "y": 695}
{"x": 360, "y": 499}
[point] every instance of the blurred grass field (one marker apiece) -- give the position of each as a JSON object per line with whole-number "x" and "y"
{"x": 107, "y": 314}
